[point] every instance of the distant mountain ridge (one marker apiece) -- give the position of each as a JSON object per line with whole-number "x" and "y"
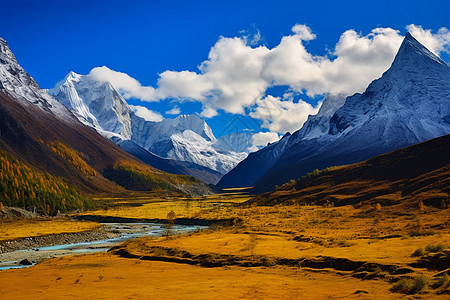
{"x": 407, "y": 105}
{"x": 185, "y": 138}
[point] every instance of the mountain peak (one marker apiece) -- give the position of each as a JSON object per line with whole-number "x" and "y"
{"x": 411, "y": 50}
{"x": 71, "y": 75}
{"x": 5, "y": 53}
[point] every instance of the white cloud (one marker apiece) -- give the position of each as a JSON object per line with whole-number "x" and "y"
{"x": 183, "y": 85}
{"x": 237, "y": 74}
{"x": 303, "y": 32}
{"x": 127, "y": 85}
{"x": 436, "y": 43}
{"x": 174, "y": 111}
{"x": 146, "y": 113}
{"x": 262, "y": 138}
{"x": 282, "y": 115}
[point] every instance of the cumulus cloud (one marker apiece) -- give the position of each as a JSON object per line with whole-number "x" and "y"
{"x": 439, "y": 42}
{"x": 262, "y": 138}
{"x": 237, "y": 73}
{"x": 147, "y": 114}
{"x": 127, "y": 85}
{"x": 282, "y": 115}
{"x": 303, "y": 32}
{"x": 174, "y": 111}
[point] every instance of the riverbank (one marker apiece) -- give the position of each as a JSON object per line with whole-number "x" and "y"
{"x": 54, "y": 239}
{"x": 31, "y": 250}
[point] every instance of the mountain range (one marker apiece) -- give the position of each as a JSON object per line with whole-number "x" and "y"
{"x": 407, "y": 105}
{"x": 40, "y": 132}
{"x": 51, "y": 130}
{"x": 186, "y": 138}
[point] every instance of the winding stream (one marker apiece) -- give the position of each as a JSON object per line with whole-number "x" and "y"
{"x": 125, "y": 231}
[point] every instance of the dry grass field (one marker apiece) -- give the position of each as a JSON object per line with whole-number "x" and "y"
{"x": 271, "y": 252}
{"x": 107, "y": 276}
{"x": 18, "y": 228}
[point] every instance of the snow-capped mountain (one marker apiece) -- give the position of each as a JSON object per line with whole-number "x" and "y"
{"x": 410, "y": 103}
{"x": 185, "y": 138}
{"x": 96, "y": 104}
{"x": 236, "y": 141}
{"x": 17, "y": 83}
{"x": 39, "y": 131}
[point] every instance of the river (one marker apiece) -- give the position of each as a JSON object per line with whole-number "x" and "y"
{"x": 123, "y": 231}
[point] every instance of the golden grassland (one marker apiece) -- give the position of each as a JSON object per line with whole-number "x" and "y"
{"x": 106, "y": 276}
{"x": 157, "y": 205}
{"x": 282, "y": 237}
{"x": 19, "y": 228}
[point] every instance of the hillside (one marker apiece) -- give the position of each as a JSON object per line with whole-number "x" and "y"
{"x": 407, "y": 176}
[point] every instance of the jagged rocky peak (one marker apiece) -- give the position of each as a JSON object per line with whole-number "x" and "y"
{"x": 12, "y": 74}
{"x": 17, "y": 83}
{"x": 6, "y": 53}
{"x": 184, "y": 138}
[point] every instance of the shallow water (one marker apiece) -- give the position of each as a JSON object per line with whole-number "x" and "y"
{"x": 126, "y": 230}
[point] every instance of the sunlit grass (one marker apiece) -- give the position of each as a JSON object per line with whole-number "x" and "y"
{"x": 18, "y": 228}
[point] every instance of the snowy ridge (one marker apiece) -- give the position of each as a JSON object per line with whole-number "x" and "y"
{"x": 237, "y": 141}
{"x": 96, "y": 104}
{"x": 16, "y": 82}
{"x": 184, "y": 138}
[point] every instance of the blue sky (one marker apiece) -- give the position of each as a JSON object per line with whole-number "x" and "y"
{"x": 145, "y": 39}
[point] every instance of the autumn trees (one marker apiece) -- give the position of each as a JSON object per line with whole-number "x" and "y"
{"x": 21, "y": 186}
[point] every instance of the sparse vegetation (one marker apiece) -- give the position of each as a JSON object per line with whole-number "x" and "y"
{"x": 411, "y": 286}
{"x": 434, "y": 248}
{"x": 418, "y": 252}
{"x": 73, "y": 157}
{"x": 430, "y": 248}
{"x": 442, "y": 282}
{"x": 317, "y": 172}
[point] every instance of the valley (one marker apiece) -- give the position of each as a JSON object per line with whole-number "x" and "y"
{"x": 266, "y": 251}
{"x": 103, "y": 195}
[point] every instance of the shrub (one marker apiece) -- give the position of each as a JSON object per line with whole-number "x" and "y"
{"x": 434, "y": 248}
{"x": 268, "y": 261}
{"x": 344, "y": 243}
{"x": 418, "y": 252}
{"x": 411, "y": 286}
